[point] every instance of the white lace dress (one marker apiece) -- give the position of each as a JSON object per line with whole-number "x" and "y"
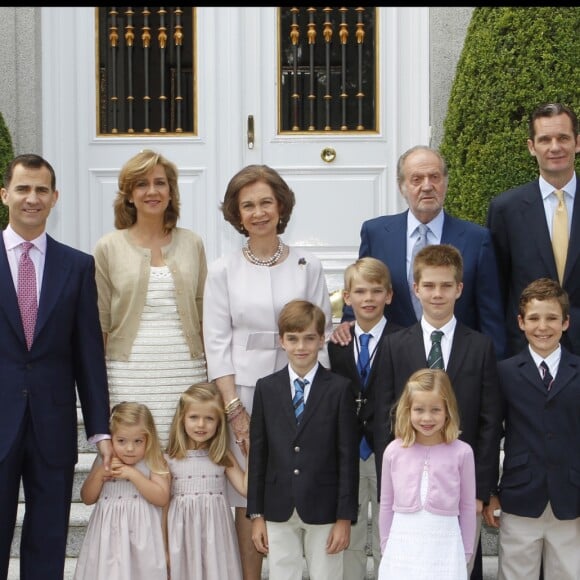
{"x": 160, "y": 366}
{"x": 424, "y": 546}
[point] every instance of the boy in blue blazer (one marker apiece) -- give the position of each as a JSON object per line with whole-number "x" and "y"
{"x": 539, "y": 489}
{"x": 303, "y": 461}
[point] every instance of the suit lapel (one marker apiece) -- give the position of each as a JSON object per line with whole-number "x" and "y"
{"x": 8, "y": 298}
{"x": 459, "y": 350}
{"x": 316, "y": 394}
{"x": 533, "y": 216}
{"x": 55, "y": 276}
{"x": 574, "y": 245}
{"x": 567, "y": 372}
{"x": 350, "y": 361}
{"x": 396, "y": 238}
{"x": 530, "y": 372}
{"x": 415, "y": 350}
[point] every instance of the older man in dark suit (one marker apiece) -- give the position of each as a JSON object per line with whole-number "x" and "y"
{"x": 47, "y": 348}
{"x": 422, "y": 176}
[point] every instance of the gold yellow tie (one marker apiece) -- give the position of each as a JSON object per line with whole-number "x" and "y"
{"x": 560, "y": 234}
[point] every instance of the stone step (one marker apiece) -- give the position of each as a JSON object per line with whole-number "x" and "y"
{"x": 489, "y": 569}
{"x": 79, "y": 517}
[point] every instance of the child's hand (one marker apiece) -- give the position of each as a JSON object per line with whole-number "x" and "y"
{"x": 260, "y": 535}
{"x": 339, "y": 537}
{"x": 491, "y": 512}
{"x": 120, "y": 470}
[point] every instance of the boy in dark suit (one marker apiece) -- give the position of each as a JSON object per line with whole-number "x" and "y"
{"x": 539, "y": 488}
{"x": 367, "y": 289}
{"x": 303, "y": 461}
{"x": 439, "y": 340}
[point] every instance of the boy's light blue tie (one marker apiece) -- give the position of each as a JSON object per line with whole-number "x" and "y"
{"x": 298, "y": 400}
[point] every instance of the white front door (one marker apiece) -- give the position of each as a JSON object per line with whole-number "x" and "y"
{"x": 237, "y": 77}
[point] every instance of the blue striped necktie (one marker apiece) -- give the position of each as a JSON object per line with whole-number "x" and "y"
{"x": 298, "y": 400}
{"x": 364, "y": 371}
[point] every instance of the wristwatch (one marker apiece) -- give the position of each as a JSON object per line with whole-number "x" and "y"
{"x": 254, "y": 516}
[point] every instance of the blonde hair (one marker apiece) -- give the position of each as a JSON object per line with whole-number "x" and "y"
{"x": 131, "y": 414}
{"x": 369, "y": 269}
{"x": 132, "y": 171}
{"x": 178, "y": 438}
{"x": 426, "y": 381}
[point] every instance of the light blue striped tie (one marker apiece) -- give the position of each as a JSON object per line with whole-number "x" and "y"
{"x": 298, "y": 400}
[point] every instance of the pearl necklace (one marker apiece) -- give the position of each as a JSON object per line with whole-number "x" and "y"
{"x": 268, "y": 261}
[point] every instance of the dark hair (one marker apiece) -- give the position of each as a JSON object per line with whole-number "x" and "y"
{"x": 30, "y": 161}
{"x": 134, "y": 169}
{"x": 435, "y": 255}
{"x": 247, "y": 176}
{"x": 551, "y": 110}
{"x": 544, "y": 289}
{"x": 298, "y": 315}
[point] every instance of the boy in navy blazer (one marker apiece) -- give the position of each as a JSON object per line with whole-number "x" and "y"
{"x": 367, "y": 289}
{"x": 303, "y": 460}
{"x": 539, "y": 489}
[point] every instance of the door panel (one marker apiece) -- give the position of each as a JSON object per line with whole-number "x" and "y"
{"x": 237, "y": 76}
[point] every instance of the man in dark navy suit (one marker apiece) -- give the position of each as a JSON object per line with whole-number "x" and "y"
{"x": 521, "y": 221}
{"x": 422, "y": 176}
{"x": 41, "y": 363}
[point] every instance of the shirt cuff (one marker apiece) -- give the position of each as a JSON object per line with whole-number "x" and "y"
{"x": 93, "y": 440}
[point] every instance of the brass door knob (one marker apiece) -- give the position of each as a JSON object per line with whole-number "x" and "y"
{"x": 328, "y": 155}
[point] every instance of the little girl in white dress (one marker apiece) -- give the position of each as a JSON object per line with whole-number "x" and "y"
{"x": 124, "y": 538}
{"x": 427, "y": 514}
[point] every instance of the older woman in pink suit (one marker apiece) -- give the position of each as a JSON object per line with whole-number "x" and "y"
{"x": 244, "y": 293}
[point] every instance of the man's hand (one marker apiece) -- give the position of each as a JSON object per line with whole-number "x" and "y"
{"x": 341, "y": 334}
{"x": 105, "y": 447}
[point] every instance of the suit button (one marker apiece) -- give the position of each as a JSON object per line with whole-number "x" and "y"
{"x": 297, "y": 449}
{"x": 296, "y": 472}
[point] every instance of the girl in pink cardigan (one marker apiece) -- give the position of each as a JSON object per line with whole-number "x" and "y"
{"x": 427, "y": 516}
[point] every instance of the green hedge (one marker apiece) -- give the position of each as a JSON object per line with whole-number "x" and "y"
{"x": 6, "y": 154}
{"x": 513, "y": 59}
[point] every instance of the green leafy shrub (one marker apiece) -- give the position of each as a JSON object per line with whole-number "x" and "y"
{"x": 513, "y": 59}
{"x": 6, "y": 154}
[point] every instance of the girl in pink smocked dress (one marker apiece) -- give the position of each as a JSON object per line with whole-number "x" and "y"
{"x": 124, "y": 538}
{"x": 201, "y": 536}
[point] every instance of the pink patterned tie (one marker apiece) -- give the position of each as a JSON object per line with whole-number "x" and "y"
{"x": 27, "y": 293}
